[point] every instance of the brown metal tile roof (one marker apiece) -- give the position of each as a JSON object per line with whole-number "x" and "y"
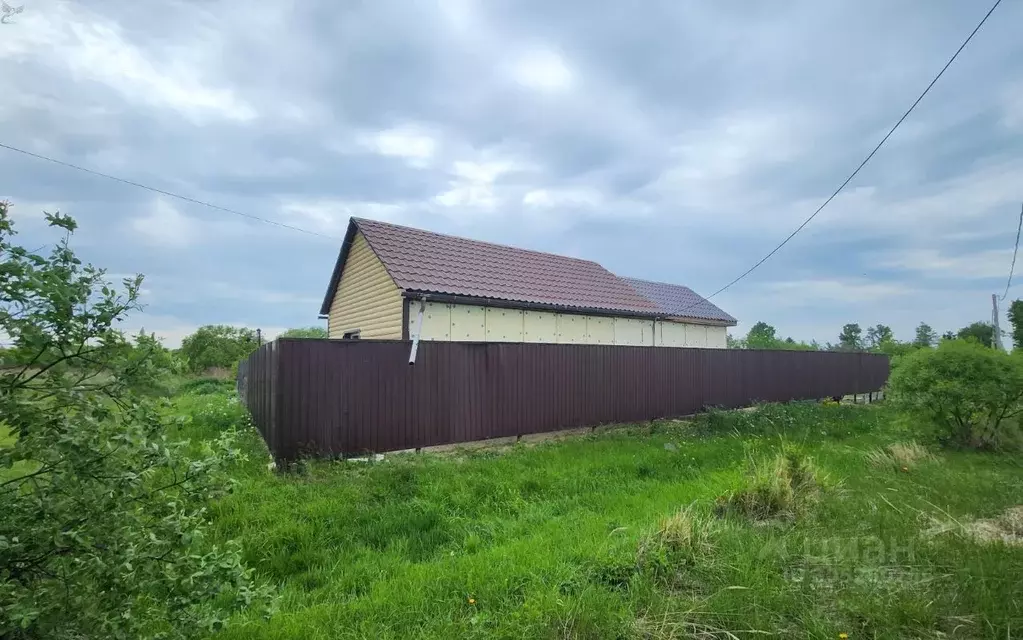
{"x": 677, "y": 301}
{"x": 423, "y": 261}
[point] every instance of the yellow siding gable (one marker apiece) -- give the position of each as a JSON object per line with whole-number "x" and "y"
{"x": 367, "y": 298}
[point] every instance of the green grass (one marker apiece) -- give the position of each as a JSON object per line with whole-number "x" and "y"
{"x": 7, "y": 438}
{"x": 18, "y": 468}
{"x": 614, "y": 536}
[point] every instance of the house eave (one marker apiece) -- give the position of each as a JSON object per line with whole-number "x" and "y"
{"x": 339, "y": 266}
{"x": 705, "y": 321}
{"x": 502, "y": 303}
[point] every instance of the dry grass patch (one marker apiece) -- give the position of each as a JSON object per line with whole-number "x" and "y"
{"x": 901, "y": 456}
{"x": 672, "y": 627}
{"x": 1006, "y": 528}
{"x": 784, "y": 488}
{"x": 678, "y": 543}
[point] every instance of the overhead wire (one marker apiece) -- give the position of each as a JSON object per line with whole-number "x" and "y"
{"x": 1015, "y": 250}
{"x": 164, "y": 192}
{"x": 736, "y": 280}
{"x": 863, "y": 163}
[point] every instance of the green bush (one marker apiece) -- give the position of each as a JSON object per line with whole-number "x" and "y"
{"x": 969, "y": 393}
{"x": 305, "y": 332}
{"x": 217, "y": 346}
{"x": 104, "y": 530}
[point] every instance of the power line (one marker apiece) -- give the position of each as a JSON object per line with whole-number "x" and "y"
{"x": 719, "y": 291}
{"x": 170, "y": 194}
{"x": 869, "y": 156}
{"x": 1015, "y": 250}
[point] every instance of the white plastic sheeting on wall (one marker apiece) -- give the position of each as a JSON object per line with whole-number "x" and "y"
{"x": 636, "y": 332}
{"x": 474, "y": 323}
{"x": 540, "y": 326}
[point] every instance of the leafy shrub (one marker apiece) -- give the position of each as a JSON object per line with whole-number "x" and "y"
{"x": 104, "y": 531}
{"x": 305, "y": 332}
{"x": 784, "y": 487}
{"x": 969, "y": 393}
{"x": 164, "y": 367}
{"x": 217, "y": 346}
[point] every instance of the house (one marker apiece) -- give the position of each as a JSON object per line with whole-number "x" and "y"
{"x": 388, "y": 276}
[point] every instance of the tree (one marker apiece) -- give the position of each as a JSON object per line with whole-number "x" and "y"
{"x": 849, "y": 339}
{"x": 761, "y": 336}
{"x": 104, "y": 526}
{"x": 925, "y": 336}
{"x": 217, "y": 345}
{"x": 981, "y": 332}
{"x": 305, "y": 332}
{"x": 879, "y": 335}
{"x": 1016, "y": 320}
{"x": 764, "y": 336}
{"x": 791, "y": 344}
{"x": 970, "y": 393}
{"x": 165, "y": 364}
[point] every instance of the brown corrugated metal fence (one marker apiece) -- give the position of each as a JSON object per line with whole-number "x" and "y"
{"x": 334, "y": 397}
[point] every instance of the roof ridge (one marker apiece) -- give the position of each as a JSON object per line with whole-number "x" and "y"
{"x": 487, "y": 242}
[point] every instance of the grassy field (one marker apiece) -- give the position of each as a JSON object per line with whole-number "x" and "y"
{"x": 615, "y": 536}
{"x": 19, "y": 468}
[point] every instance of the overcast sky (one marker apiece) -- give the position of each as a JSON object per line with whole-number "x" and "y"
{"x": 669, "y": 140}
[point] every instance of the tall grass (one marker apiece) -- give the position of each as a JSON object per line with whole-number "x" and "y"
{"x": 786, "y": 486}
{"x": 613, "y": 536}
{"x": 900, "y": 456}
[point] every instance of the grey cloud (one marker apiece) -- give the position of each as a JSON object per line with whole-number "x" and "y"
{"x": 685, "y": 139}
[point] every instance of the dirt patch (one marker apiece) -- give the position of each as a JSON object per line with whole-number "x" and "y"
{"x": 1006, "y": 528}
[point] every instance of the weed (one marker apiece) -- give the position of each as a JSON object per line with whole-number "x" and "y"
{"x": 612, "y": 571}
{"x": 785, "y": 487}
{"x": 793, "y": 421}
{"x": 678, "y": 544}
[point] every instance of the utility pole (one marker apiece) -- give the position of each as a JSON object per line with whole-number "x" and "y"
{"x": 996, "y": 338}
{"x": 259, "y": 337}
{"x": 996, "y": 343}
